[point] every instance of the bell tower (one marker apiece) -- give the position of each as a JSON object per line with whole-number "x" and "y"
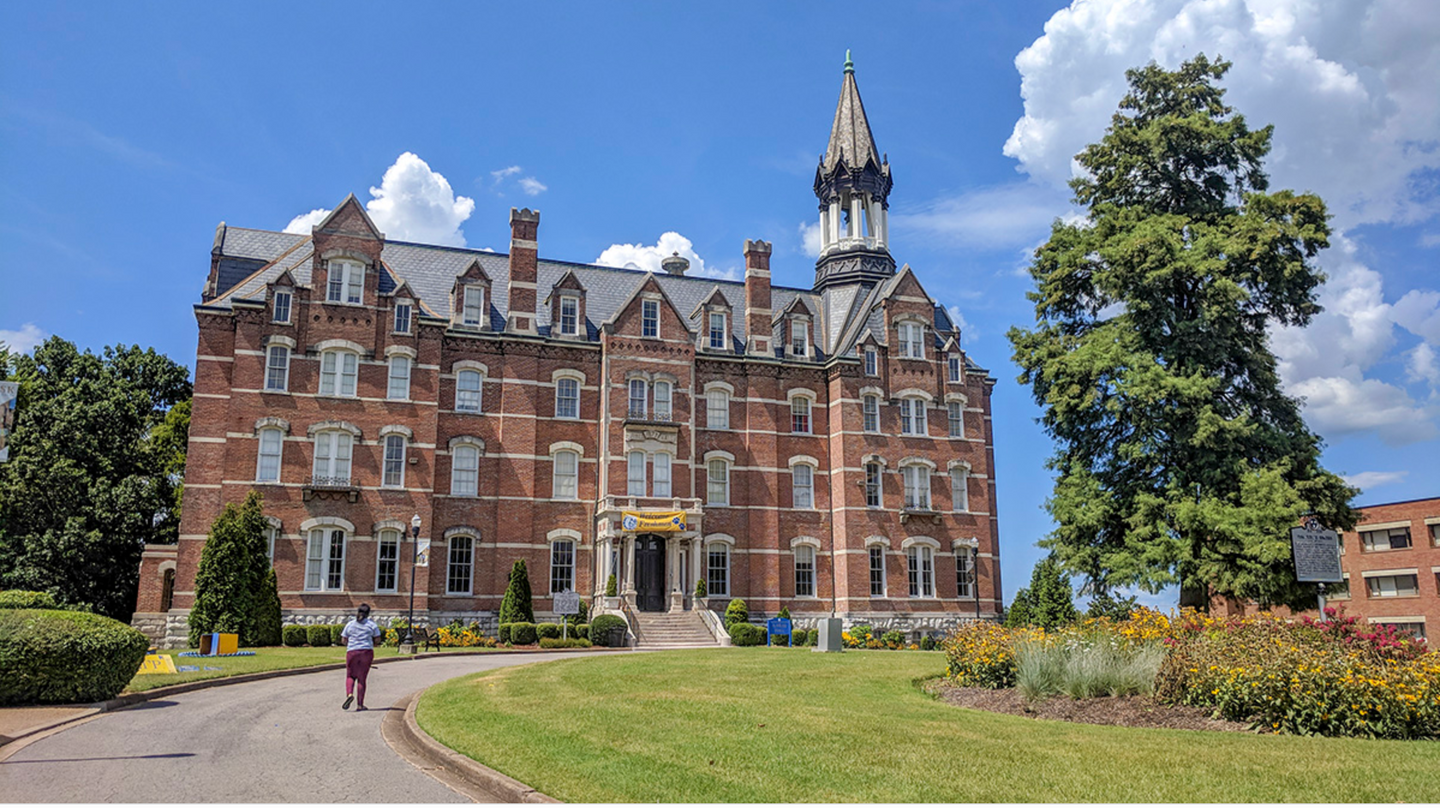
{"x": 852, "y": 184}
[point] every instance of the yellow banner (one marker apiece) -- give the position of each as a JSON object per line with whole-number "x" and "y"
{"x": 157, "y": 663}
{"x": 653, "y": 521}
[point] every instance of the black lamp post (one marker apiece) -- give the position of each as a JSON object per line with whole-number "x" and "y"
{"x": 414, "y": 557}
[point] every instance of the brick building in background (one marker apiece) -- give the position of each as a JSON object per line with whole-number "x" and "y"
{"x": 827, "y": 449}
{"x": 1391, "y": 563}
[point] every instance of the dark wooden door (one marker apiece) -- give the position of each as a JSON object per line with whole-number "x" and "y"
{"x": 650, "y": 569}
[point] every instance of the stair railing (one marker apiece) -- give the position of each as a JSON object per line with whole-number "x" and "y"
{"x": 632, "y": 618}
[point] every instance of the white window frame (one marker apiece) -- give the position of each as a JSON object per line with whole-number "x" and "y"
{"x": 960, "y": 489}
{"x": 799, "y": 337}
{"x": 392, "y": 470}
{"x": 274, "y": 368}
{"x": 569, "y": 321}
{"x": 403, "y": 313}
{"x": 635, "y": 474}
{"x": 388, "y": 538}
{"x": 261, "y": 455}
{"x": 873, "y": 552}
{"x": 965, "y": 581}
{"x": 464, "y": 478}
{"x": 912, "y": 417}
{"x": 870, "y": 412}
{"x": 567, "y": 398}
{"x": 717, "y": 576}
{"x": 460, "y": 557}
{"x": 472, "y": 309}
{"x": 350, "y": 288}
{"x": 802, "y": 419}
{"x": 955, "y": 418}
{"x": 277, "y": 308}
{"x": 912, "y": 340}
{"x": 650, "y": 319}
{"x": 917, "y": 486}
{"x": 802, "y": 486}
{"x": 661, "y": 485}
{"x": 872, "y": 362}
{"x": 1376, "y": 590}
{"x": 339, "y": 373}
{"x": 1371, "y": 540}
{"x": 398, "y": 379}
{"x": 717, "y": 489}
{"x": 877, "y": 485}
{"x": 952, "y": 363}
{"x": 718, "y": 335}
{"x": 565, "y": 475}
{"x": 638, "y": 407}
{"x": 664, "y": 393}
{"x": 805, "y": 571}
{"x": 334, "y": 455}
{"x": 717, "y": 401}
{"x": 562, "y": 566}
{"x": 322, "y": 547}
{"x": 461, "y": 393}
{"x": 272, "y": 534}
{"x": 920, "y": 570}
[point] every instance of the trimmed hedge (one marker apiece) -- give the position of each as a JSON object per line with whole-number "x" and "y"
{"x": 747, "y": 634}
{"x": 335, "y": 638}
{"x": 736, "y": 612}
{"x": 293, "y": 636}
{"x": 502, "y": 636}
{"x": 550, "y": 631}
{"x": 582, "y": 631}
{"x": 522, "y": 633}
{"x": 58, "y": 657}
{"x": 317, "y": 636}
{"x": 22, "y": 599}
{"x": 601, "y": 626}
{"x": 573, "y": 642}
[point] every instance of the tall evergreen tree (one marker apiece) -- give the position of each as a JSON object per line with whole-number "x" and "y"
{"x": 230, "y": 581}
{"x": 1049, "y": 600}
{"x": 87, "y": 486}
{"x": 1179, "y": 458}
{"x": 516, "y": 607}
{"x": 268, "y": 617}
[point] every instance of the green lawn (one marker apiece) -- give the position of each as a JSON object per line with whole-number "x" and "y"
{"x": 265, "y": 659}
{"x": 773, "y": 725}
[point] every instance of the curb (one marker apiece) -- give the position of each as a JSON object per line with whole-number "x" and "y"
{"x": 465, "y": 775}
{"x": 9, "y": 744}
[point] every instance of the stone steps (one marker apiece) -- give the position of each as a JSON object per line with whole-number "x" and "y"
{"x": 673, "y": 630}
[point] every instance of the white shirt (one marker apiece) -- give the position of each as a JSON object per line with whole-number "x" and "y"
{"x": 361, "y": 636}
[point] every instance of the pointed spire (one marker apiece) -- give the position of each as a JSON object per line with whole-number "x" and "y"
{"x": 850, "y": 140}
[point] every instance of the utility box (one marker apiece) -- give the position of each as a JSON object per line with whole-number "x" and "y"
{"x": 830, "y": 640}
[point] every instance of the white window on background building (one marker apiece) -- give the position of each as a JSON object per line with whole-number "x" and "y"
{"x": 920, "y": 561}
{"x": 325, "y": 560}
{"x": 871, "y": 407}
{"x": 346, "y": 282}
{"x": 912, "y": 417}
{"x": 332, "y": 458}
{"x": 267, "y": 468}
{"x": 719, "y": 337}
{"x": 662, "y": 401}
{"x": 802, "y": 486}
{"x": 717, "y": 569}
{"x": 1416, "y": 628}
{"x": 461, "y": 567}
{"x": 338, "y": 371}
{"x": 955, "y": 410}
{"x": 717, "y": 409}
{"x": 960, "y": 488}
{"x": 800, "y": 415}
{"x": 952, "y": 362}
{"x": 650, "y": 318}
{"x": 467, "y": 391}
{"x": 472, "y": 310}
{"x": 804, "y": 571}
{"x": 402, "y": 318}
{"x": 387, "y": 561}
{"x": 569, "y": 315}
{"x": 562, "y": 566}
{"x": 565, "y": 475}
{"x": 465, "y": 471}
{"x": 567, "y": 398}
{"x": 662, "y": 475}
{"x": 717, "y": 483}
{"x": 872, "y": 485}
{"x": 872, "y": 362}
{"x": 280, "y": 307}
{"x": 1395, "y": 538}
{"x": 877, "y": 571}
{"x": 965, "y": 572}
{"x": 394, "y": 473}
{"x": 639, "y": 394}
{"x": 1393, "y": 586}
{"x": 917, "y": 487}
{"x": 635, "y": 474}
{"x": 399, "y": 387}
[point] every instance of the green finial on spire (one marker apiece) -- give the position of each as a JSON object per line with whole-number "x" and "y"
{"x": 849, "y": 65}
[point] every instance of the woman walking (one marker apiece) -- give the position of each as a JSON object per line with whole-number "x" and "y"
{"x": 360, "y": 635}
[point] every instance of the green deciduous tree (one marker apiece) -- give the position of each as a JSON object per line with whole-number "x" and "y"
{"x": 88, "y": 484}
{"x": 1179, "y": 458}
{"x": 516, "y": 606}
{"x": 231, "y": 593}
{"x": 1048, "y": 602}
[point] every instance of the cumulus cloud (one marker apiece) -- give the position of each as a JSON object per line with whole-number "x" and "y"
{"x": 968, "y": 333}
{"x": 412, "y": 203}
{"x": 1421, "y": 365}
{"x": 499, "y": 181}
{"x": 648, "y": 257}
{"x": 810, "y": 238}
{"x": 23, "y": 340}
{"x": 532, "y": 186}
{"x": 1353, "y": 89}
{"x": 1366, "y": 480}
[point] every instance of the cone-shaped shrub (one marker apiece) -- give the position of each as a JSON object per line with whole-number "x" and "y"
{"x": 232, "y": 574}
{"x": 516, "y": 607}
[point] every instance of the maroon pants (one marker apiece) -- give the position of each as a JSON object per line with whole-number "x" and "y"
{"x": 357, "y": 667}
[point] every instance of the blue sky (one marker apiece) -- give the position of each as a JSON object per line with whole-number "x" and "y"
{"x": 127, "y": 132}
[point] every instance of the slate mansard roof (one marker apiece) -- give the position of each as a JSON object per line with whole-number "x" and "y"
{"x": 250, "y": 260}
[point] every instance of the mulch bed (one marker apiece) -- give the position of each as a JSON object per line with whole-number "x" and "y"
{"x": 1119, "y": 711}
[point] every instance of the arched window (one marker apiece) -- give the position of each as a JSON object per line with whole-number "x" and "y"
{"x": 877, "y": 570}
{"x": 325, "y": 560}
{"x": 635, "y": 475}
{"x": 717, "y": 484}
{"x": 639, "y": 395}
{"x": 267, "y": 466}
{"x": 567, "y": 398}
{"x": 912, "y": 340}
{"x": 562, "y": 566}
{"x": 800, "y": 415}
{"x": 717, "y": 569}
{"x": 394, "y": 474}
{"x": 661, "y": 484}
{"x": 920, "y": 561}
{"x": 965, "y": 572}
{"x": 460, "y": 568}
{"x": 338, "y": 371}
{"x": 467, "y": 391}
{"x": 277, "y": 369}
{"x": 332, "y": 458}
{"x": 167, "y": 590}
{"x": 871, "y": 406}
{"x": 387, "y": 561}
{"x": 347, "y": 282}
{"x": 802, "y": 486}
{"x": 662, "y": 401}
{"x": 912, "y": 416}
{"x": 917, "y": 487}
{"x": 960, "y": 488}
{"x": 873, "y": 485}
{"x": 804, "y": 570}
{"x": 717, "y": 409}
{"x": 565, "y": 475}
{"x": 956, "y": 412}
{"x": 465, "y": 471}
{"x": 399, "y": 388}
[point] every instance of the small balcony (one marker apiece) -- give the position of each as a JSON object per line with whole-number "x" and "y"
{"x": 921, "y": 513}
{"x": 330, "y": 487}
{"x": 658, "y": 416}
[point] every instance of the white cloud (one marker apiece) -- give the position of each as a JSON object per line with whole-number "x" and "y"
{"x": 998, "y": 217}
{"x": 532, "y": 186}
{"x": 968, "y": 334}
{"x": 1421, "y": 365}
{"x": 502, "y": 173}
{"x": 24, "y": 340}
{"x": 1366, "y": 480}
{"x": 1352, "y": 87}
{"x": 648, "y": 257}
{"x": 810, "y": 238}
{"x": 413, "y": 203}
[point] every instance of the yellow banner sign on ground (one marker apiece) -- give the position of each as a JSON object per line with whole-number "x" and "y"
{"x": 653, "y": 521}
{"x": 157, "y": 663}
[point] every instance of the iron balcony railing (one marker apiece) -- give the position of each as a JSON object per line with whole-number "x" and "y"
{"x": 330, "y": 481}
{"x": 656, "y": 416}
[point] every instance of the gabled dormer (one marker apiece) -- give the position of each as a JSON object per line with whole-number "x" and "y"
{"x": 954, "y": 359}
{"x": 871, "y": 355}
{"x": 794, "y": 327}
{"x": 470, "y": 298}
{"x": 567, "y": 308}
{"x": 910, "y": 317}
{"x": 715, "y": 320}
{"x": 347, "y": 249}
{"x": 649, "y": 314}
{"x": 281, "y": 299}
{"x": 403, "y": 309}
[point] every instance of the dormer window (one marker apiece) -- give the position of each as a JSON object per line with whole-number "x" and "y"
{"x": 280, "y": 306}
{"x": 872, "y": 362}
{"x": 799, "y": 338}
{"x": 650, "y": 318}
{"x": 953, "y": 363}
{"x": 717, "y": 331}
{"x": 347, "y": 282}
{"x": 402, "y": 318}
{"x": 912, "y": 340}
{"x": 473, "y": 306}
{"x": 570, "y": 315}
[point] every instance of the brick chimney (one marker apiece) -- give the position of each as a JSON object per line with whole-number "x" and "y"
{"x": 758, "y": 336}
{"x": 524, "y": 256}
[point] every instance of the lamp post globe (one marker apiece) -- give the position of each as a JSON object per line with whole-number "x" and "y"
{"x": 414, "y": 557}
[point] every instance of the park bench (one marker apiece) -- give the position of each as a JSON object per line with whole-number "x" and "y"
{"x": 425, "y": 639}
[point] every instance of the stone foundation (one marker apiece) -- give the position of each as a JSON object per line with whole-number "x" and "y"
{"x": 913, "y": 626}
{"x": 170, "y": 630}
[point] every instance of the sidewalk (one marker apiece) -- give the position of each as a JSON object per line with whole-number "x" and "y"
{"x": 17, "y": 722}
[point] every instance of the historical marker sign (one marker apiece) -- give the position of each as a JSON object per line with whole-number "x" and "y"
{"x": 567, "y": 603}
{"x": 1317, "y": 554}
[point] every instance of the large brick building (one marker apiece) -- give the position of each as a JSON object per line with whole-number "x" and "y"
{"x": 1391, "y": 564}
{"x": 827, "y": 449}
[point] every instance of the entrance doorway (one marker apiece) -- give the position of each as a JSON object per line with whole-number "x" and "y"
{"x": 650, "y": 573}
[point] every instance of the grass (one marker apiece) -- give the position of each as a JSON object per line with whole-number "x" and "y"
{"x": 1083, "y": 670}
{"x": 265, "y": 659}
{"x": 768, "y": 725}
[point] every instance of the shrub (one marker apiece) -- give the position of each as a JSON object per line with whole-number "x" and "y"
{"x": 700, "y": 590}
{"x": 857, "y": 637}
{"x": 601, "y": 627}
{"x": 516, "y": 606}
{"x": 736, "y": 612}
{"x": 335, "y": 630}
{"x": 582, "y": 631}
{"x": 547, "y": 630}
{"x": 503, "y": 634}
{"x": 555, "y": 642}
{"x": 317, "y": 636}
{"x": 746, "y": 634}
{"x": 581, "y": 616}
{"x": 231, "y": 577}
{"x": 293, "y": 636}
{"x": 522, "y": 633}
{"x": 784, "y": 613}
{"x": 610, "y": 588}
{"x": 894, "y": 640}
{"x": 22, "y": 599}
{"x": 267, "y": 612}
{"x": 981, "y": 655}
{"x": 61, "y": 657}
{"x": 927, "y": 643}
{"x": 456, "y": 635}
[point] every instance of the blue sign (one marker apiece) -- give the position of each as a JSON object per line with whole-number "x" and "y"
{"x": 778, "y": 625}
